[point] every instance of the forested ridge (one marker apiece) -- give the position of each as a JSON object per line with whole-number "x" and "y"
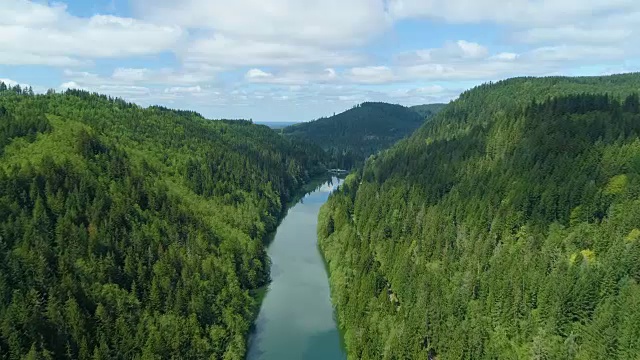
{"x": 428, "y": 110}
{"x": 134, "y": 233}
{"x": 507, "y": 227}
{"x": 350, "y": 137}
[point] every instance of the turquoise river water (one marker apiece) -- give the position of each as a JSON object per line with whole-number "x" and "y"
{"x": 296, "y": 320}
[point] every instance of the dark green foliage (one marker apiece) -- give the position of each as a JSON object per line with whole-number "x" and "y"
{"x": 350, "y": 137}
{"x": 25, "y": 120}
{"x": 507, "y": 227}
{"x": 134, "y": 233}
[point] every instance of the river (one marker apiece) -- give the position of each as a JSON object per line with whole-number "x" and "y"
{"x": 296, "y": 320}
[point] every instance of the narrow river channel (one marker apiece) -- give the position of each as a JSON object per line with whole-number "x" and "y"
{"x": 296, "y": 320}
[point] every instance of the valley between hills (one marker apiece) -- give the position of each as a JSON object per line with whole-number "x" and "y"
{"x": 502, "y": 225}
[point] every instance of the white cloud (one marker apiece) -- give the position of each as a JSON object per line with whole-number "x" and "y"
{"x": 327, "y": 22}
{"x": 27, "y": 13}
{"x": 257, "y": 75}
{"x": 519, "y": 12}
{"x": 330, "y": 73}
{"x": 505, "y": 56}
{"x": 468, "y": 61}
{"x": 371, "y": 75}
{"x": 34, "y": 33}
{"x": 293, "y": 78}
{"x": 450, "y": 51}
{"x": 128, "y": 74}
{"x": 561, "y": 28}
{"x": 225, "y": 51}
{"x": 491, "y": 68}
{"x": 84, "y": 77}
{"x": 71, "y": 85}
{"x": 454, "y": 61}
{"x": 568, "y": 53}
{"x": 572, "y": 34}
{"x": 10, "y": 82}
{"x": 23, "y": 58}
{"x": 430, "y": 90}
{"x": 183, "y": 90}
{"x": 143, "y": 76}
{"x": 470, "y": 50}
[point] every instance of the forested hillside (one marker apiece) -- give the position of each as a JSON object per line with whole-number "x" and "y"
{"x": 507, "y": 227}
{"x": 428, "y": 110}
{"x": 350, "y": 137}
{"x": 134, "y": 233}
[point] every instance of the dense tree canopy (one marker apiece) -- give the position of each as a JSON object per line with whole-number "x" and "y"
{"x": 507, "y": 227}
{"x": 134, "y": 233}
{"x": 350, "y": 137}
{"x": 428, "y": 110}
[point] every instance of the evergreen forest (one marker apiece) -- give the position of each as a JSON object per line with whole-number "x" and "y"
{"x": 133, "y": 233}
{"x": 350, "y": 137}
{"x": 507, "y": 227}
{"x": 428, "y": 110}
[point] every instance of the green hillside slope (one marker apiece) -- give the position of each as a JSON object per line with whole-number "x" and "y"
{"x": 507, "y": 227}
{"x": 428, "y": 110}
{"x": 359, "y": 132}
{"x": 134, "y": 233}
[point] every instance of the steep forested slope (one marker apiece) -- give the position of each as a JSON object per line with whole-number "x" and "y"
{"x": 359, "y": 132}
{"x": 134, "y": 233}
{"x": 507, "y": 227}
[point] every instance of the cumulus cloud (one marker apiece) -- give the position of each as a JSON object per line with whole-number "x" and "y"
{"x": 328, "y": 22}
{"x": 371, "y": 75}
{"x": 34, "y": 33}
{"x": 450, "y": 51}
{"x": 129, "y": 74}
{"x": 142, "y": 76}
{"x": 293, "y": 78}
{"x": 568, "y": 53}
{"x": 183, "y": 90}
{"x": 505, "y": 56}
{"x": 257, "y": 75}
{"x": 225, "y": 51}
{"x": 519, "y": 13}
{"x": 24, "y": 58}
{"x": 454, "y": 61}
{"x": 468, "y": 61}
{"x": 574, "y": 34}
{"x": 188, "y": 74}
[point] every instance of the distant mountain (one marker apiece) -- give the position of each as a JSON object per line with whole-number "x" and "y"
{"x": 428, "y": 110}
{"x": 276, "y": 125}
{"x": 355, "y": 134}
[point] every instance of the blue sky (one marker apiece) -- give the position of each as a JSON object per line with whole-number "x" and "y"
{"x": 296, "y": 60}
